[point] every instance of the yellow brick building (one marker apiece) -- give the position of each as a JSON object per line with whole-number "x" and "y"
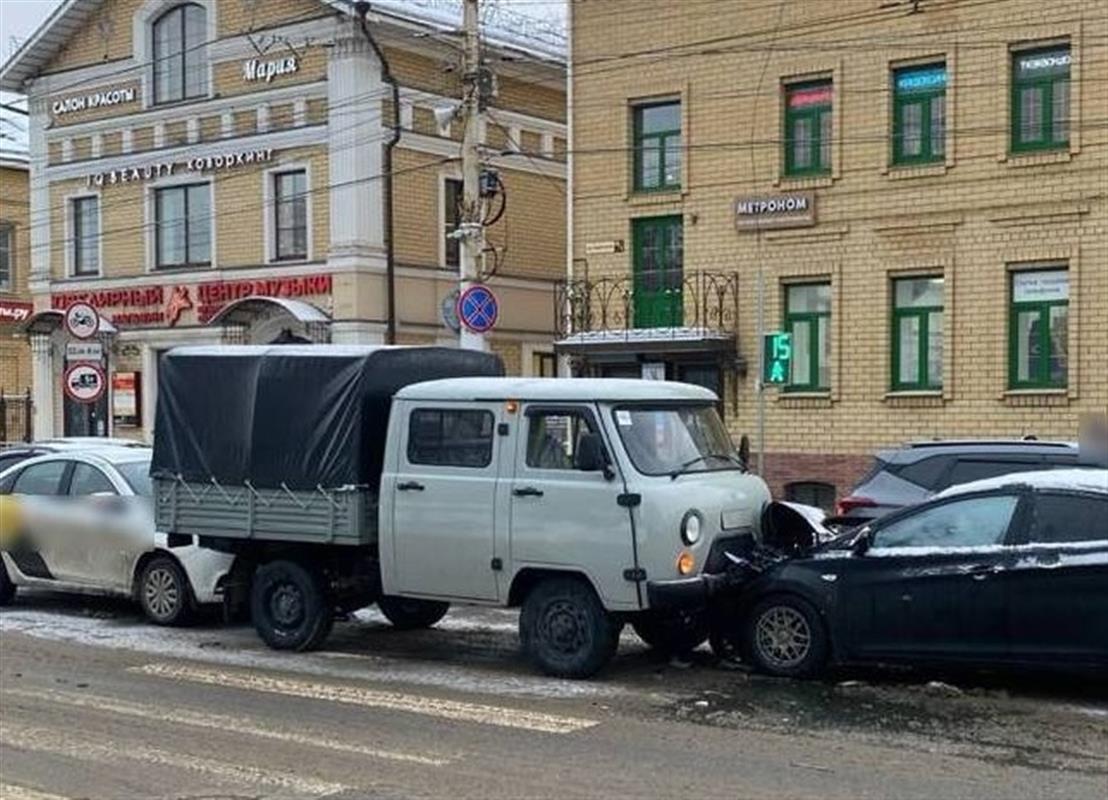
{"x": 213, "y": 171}
{"x": 15, "y": 302}
{"x": 922, "y": 188}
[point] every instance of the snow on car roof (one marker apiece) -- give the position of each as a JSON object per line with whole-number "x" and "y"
{"x": 1090, "y": 480}
{"x": 556, "y": 389}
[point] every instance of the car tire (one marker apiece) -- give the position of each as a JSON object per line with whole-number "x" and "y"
{"x": 410, "y": 614}
{"x": 289, "y": 606}
{"x": 7, "y": 587}
{"x": 672, "y": 632}
{"x": 565, "y": 630}
{"x": 164, "y": 592}
{"x": 784, "y": 636}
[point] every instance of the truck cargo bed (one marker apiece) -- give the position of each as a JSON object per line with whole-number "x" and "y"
{"x": 317, "y": 516}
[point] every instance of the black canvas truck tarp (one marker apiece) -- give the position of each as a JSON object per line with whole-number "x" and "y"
{"x": 297, "y": 417}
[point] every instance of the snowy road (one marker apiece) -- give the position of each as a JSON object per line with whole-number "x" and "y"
{"x": 94, "y": 703}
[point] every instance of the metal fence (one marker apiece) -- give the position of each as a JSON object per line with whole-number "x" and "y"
{"x": 15, "y": 417}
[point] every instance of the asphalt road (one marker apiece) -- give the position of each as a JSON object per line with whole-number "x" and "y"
{"x": 96, "y": 704}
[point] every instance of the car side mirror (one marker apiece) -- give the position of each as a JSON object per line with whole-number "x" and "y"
{"x": 590, "y": 455}
{"x": 863, "y": 543}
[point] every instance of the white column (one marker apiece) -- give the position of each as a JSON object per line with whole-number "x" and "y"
{"x": 39, "y": 196}
{"x": 356, "y": 139}
{"x": 356, "y": 332}
{"x": 42, "y": 385}
{"x": 149, "y": 390}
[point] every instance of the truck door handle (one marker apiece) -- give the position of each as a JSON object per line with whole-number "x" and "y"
{"x": 409, "y": 486}
{"x": 527, "y": 491}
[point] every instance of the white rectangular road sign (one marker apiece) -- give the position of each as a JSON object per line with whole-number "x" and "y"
{"x": 84, "y": 351}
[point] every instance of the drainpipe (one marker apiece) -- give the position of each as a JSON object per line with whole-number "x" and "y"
{"x": 361, "y": 8}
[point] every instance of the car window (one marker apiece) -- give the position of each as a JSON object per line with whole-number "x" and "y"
{"x": 11, "y": 459}
{"x": 1061, "y": 517}
{"x": 41, "y": 479}
{"x": 552, "y": 437}
{"x": 926, "y": 473}
{"x": 450, "y": 437}
{"x": 966, "y": 469}
{"x": 970, "y": 522}
{"x": 87, "y": 480}
{"x": 137, "y": 475}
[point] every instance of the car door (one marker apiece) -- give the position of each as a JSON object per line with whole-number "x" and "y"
{"x": 563, "y": 517}
{"x": 108, "y": 535}
{"x": 37, "y": 548}
{"x": 933, "y": 582}
{"x": 444, "y": 502}
{"x": 1058, "y": 610}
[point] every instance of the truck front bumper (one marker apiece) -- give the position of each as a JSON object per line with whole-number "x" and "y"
{"x": 684, "y": 593}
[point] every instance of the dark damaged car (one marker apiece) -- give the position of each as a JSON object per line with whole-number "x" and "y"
{"x": 1005, "y": 571}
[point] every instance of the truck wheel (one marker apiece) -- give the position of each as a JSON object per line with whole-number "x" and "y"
{"x": 672, "y": 632}
{"x": 164, "y": 592}
{"x": 289, "y": 606}
{"x": 784, "y": 636}
{"x": 409, "y": 614}
{"x": 565, "y": 630}
{"x": 7, "y": 588}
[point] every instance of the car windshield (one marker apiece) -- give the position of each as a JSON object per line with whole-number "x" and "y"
{"x": 671, "y": 441}
{"x": 137, "y": 475}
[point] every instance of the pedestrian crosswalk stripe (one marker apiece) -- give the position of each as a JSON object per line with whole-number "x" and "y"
{"x": 354, "y": 695}
{"x": 56, "y": 742}
{"x": 220, "y": 722}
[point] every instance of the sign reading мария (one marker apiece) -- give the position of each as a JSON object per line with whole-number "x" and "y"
{"x": 792, "y": 210}
{"x": 152, "y": 306}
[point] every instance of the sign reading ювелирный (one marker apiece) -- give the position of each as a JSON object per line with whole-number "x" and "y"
{"x": 789, "y": 210}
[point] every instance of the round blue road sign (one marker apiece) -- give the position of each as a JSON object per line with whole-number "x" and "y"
{"x": 478, "y": 308}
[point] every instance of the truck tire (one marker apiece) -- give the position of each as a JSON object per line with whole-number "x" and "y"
{"x": 672, "y": 632}
{"x": 409, "y": 614}
{"x": 565, "y": 630}
{"x": 785, "y": 636}
{"x": 7, "y": 588}
{"x": 289, "y": 606}
{"x": 164, "y": 592}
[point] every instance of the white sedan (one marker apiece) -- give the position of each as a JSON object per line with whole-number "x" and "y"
{"x": 83, "y": 521}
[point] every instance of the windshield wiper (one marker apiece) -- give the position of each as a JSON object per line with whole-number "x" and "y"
{"x": 704, "y": 457}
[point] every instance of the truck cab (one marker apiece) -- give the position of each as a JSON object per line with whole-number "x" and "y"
{"x": 590, "y": 503}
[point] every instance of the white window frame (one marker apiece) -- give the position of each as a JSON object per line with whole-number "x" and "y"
{"x": 269, "y": 205}
{"x": 142, "y": 34}
{"x": 70, "y": 233}
{"x": 447, "y": 175}
{"x": 152, "y": 224}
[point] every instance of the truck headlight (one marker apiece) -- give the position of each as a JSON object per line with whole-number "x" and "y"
{"x": 691, "y": 525}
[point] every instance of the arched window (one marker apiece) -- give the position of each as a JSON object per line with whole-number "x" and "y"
{"x": 180, "y": 63}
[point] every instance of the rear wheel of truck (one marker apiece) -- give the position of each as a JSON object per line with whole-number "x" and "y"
{"x": 565, "y": 630}
{"x": 289, "y": 606}
{"x": 409, "y": 614}
{"x": 672, "y": 632}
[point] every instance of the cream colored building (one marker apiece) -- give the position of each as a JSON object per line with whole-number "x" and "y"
{"x": 15, "y": 302}
{"x": 923, "y": 188}
{"x": 212, "y": 171}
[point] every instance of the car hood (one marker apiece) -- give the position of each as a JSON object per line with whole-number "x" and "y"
{"x": 794, "y": 528}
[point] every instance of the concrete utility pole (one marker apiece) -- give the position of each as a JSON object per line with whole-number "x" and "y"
{"x": 472, "y": 228}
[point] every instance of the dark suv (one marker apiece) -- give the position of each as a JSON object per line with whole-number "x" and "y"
{"x": 919, "y": 470}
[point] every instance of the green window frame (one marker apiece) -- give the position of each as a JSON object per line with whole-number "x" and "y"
{"x": 919, "y": 114}
{"x": 1038, "y": 329}
{"x": 657, "y": 146}
{"x": 808, "y": 128}
{"x": 1040, "y": 99}
{"x": 917, "y": 334}
{"x": 808, "y": 320}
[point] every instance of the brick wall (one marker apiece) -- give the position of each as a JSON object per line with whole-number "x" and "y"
{"x": 971, "y": 219}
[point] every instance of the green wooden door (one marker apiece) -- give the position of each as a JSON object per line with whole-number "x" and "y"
{"x": 659, "y": 272}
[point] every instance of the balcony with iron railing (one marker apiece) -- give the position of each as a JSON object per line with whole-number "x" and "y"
{"x": 663, "y": 310}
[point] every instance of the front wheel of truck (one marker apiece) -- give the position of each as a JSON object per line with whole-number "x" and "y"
{"x": 565, "y": 630}
{"x": 289, "y": 606}
{"x": 410, "y": 614}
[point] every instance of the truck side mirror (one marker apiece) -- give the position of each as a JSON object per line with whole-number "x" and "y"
{"x": 590, "y": 456}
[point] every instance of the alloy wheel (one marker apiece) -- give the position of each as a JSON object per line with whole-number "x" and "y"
{"x": 163, "y": 595}
{"x": 783, "y": 637}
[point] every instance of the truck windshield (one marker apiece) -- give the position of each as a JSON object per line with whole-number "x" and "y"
{"x": 672, "y": 441}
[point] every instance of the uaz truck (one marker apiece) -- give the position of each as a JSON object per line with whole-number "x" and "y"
{"x": 418, "y": 477}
